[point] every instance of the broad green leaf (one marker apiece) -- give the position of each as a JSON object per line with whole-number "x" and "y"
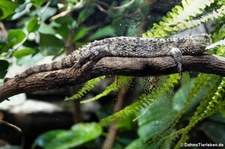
{"x": 67, "y": 21}
{"x": 22, "y": 10}
{"x": 4, "y": 47}
{"x": 23, "y": 52}
{"x": 85, "y": 14}
{"x": 218, "y": 117}
{"x": 139, "y": 144}
{"x": 47, "y": 137}
{"x": 214, "y": 131}
{"x": 16, "y": 36}
{"x": 135, "y": 144}
{"x": 29, "y": 59}
{"x": 46, "y": 13}
{"x": 32, "y": 25}
{"x": 80, "y": 33}
{"x": 63, "y": 25}
{"x": 3, "y": 68}
{"x": 50, "y": 45}
{"x": 46, "y": 29}
{"x": 103, "y": 32}
{"x": 7, "y": 8}
{"x": 37, "y": 3}
{"x": 65, "y": 139}
{"x": 156, "y": 120}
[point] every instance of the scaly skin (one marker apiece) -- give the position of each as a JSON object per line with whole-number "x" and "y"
{"x": 127, "y": 47}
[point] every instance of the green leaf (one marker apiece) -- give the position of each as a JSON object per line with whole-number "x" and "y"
{"x": 65, "y": 139}
{"x": 47, "y": 137}
{"x": 7, "y": 8}
{"x": 23, "y": 52}
{"x": 46, "y": 29}
{"x": 4, "y": 47}
{"x": 157, "y": 119}
{"x": 50, "y": 45}
{"x": 80, "y": 33}
{"x": 45, "y": 13}
{"x": 16, "y": 36}
{"x": 218, "y": 117}
{"x": 135, "y": 144}
{"x": 21, "y": 10}
{"x": 139, "y": 144}
{"x": 66, "y": 21}
{"x": 85, "y": 14}
{"x": 3, "y": 68}
{"x": 103, "y": 32}
{"x": 37, "y": 3}
{"x": 63, "y": 25}
{"x": 29, "y": 59}
{"x": 214, "y": 131}
{"x": 32, "y": 25}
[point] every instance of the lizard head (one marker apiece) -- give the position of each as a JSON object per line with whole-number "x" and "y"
{"x": 200, "y": 42}
{"x": 196, "y": 44}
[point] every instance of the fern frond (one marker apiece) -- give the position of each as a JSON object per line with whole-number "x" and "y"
{"x": 203, "y": 85}
{"x": 210, "y": 16}
{"x": 183, "y": 139}
{"x": 128, "y": 111}
{"x": 122, "y": 81}
{"x": 89, "y": 85}
{"x": 219, "y": 43}
{"x": 179, "y": 14}
{"x": 217, "y": 101}
{"x": 145, "y": 101}
{"x": 163, "y": 89}
{"x": 202, "y": 111}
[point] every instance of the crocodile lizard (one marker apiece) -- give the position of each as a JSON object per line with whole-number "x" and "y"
{"x": 127, "y": 47}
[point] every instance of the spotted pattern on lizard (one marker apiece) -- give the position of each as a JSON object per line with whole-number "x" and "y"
{"x": 127, "y": 47}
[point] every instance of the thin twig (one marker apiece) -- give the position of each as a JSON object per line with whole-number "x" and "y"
{"x": 61, "y": 14}
{"x": 124, "y": 6}
{"x": 11, "y": 126}
{"x": 113, "y": 7}
{"x": 4, "y": 31}
{"x": 110, "y": 139}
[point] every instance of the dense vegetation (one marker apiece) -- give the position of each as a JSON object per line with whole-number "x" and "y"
{"x": 164, "y": 113}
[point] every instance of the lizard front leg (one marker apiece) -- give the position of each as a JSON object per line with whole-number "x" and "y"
{"x": 93, "y": 54}
{"x": 177, "y": 54}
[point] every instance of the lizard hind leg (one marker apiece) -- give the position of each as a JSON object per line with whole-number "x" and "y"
{"x": 176, "y": 54}
{"x": 78, "y": 64}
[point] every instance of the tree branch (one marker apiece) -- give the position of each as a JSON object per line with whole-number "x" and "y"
{"x": 111, "y": 66}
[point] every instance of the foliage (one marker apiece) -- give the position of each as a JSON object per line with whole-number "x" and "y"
{"x": 63, "y": 139}
{"x": 122, "y": 81}
{"x": 165, "y": 114}
{"x": 3, "y": 69}
{"x": 187, "y": 16}
{"x": 86, "y": 88}
{"x": 145, "y": 102}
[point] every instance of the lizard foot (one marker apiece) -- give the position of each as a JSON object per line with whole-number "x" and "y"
{"x": 176, "y": 53}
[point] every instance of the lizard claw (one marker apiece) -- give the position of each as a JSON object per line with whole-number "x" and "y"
{"x": 75, "y": 66}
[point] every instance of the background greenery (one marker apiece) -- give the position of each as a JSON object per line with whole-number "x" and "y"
{"x": 164, "y": 113}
